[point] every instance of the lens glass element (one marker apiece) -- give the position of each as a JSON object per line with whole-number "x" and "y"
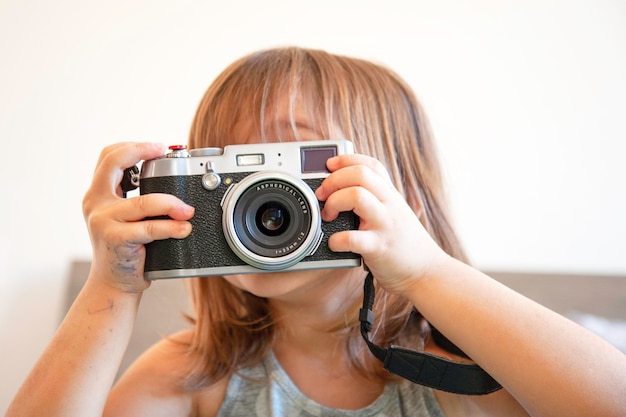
{"x": 272, "y": 219}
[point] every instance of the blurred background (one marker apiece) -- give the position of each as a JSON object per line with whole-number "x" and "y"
{"x": 527, "y": 100}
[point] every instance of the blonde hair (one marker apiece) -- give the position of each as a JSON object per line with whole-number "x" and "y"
{"x": 370, "y": 106}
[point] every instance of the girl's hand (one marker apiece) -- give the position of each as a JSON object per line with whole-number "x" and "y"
{"x": 116, "y": 225}
{"x": 391, "y": 239}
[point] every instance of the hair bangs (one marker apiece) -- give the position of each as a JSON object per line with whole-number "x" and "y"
{"x": 265, "y": 97}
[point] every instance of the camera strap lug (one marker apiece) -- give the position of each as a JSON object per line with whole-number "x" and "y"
{"x": 130, "y": 180}
{"x": 211, "y": 180}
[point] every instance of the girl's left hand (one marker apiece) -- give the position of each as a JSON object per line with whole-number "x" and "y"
{"x": 392, "y": 241}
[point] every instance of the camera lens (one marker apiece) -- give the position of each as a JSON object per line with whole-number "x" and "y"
{"x": 271, "y": 220}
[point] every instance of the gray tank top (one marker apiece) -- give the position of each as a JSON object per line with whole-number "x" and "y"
{"x": 276, "y": 395}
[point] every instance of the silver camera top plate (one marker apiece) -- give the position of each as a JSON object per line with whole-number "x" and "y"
{"x": 278, "y": 156}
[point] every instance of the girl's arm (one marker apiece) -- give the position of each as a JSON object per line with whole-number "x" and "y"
{"x": 549, "y": 364}
{"x": 75, "y": 373}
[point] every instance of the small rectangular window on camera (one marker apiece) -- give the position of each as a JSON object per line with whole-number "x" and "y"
{"x": 313, "y": 159}
{"x": 250, "y": 159}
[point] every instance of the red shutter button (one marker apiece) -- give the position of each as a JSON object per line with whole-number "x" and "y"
{"x": 178, "y": 151}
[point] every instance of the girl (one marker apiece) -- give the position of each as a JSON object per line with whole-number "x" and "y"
{"x": 288, "y": 343}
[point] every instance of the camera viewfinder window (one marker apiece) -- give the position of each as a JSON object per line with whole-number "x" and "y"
{"x": 250, "y": 159}
{"x": 314, "y": 159}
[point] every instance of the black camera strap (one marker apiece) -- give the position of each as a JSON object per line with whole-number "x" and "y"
{"x": 421, "y": 367}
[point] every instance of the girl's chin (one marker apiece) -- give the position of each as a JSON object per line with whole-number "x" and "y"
{"x": 266, "y": 284}
{"x": 278, "y": 284}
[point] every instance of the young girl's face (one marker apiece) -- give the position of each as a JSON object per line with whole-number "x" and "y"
{"x": 290, "y": 125}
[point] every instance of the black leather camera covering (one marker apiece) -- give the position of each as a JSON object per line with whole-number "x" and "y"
{"x": 206, "y": 246}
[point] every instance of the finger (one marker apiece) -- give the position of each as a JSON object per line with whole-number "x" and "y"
{"x": 116, "y": 158}
{"x": 343, "y": 161}
{"x": 355, "y": 176}
{"x": 110, "y": 148}
{"x": 146, "y": 231}
{"x": 363, "y": 242}
{"x": 126, "y": 154}
{"x": 151, "y": 205}
{"x": 358, "y": 200}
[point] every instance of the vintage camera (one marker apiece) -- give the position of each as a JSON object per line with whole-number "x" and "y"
{"x": 256, "y": 210}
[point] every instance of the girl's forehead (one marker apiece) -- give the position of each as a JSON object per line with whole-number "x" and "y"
{"x": 282, "y": 127}
{"x": 282, "y": 118}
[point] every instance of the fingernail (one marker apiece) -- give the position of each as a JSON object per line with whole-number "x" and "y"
{"x": 330, "y": 162}
{"x": 185, "y": 229}
{"x": 319, "y": 193}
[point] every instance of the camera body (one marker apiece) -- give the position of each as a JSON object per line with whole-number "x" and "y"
{"x": 255, "y": 209}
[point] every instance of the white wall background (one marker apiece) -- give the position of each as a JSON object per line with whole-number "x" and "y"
{"x": 527, "y": 99}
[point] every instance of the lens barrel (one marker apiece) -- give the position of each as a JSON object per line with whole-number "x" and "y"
{"x": 271, "y": 220}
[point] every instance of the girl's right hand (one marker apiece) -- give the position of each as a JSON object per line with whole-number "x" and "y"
{"x": 116, "y": 225}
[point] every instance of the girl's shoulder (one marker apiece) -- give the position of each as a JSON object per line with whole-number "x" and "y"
{"x": 155, "y": 384}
